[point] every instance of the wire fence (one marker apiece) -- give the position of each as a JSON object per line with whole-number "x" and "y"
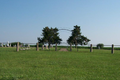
{"x": 56, "y": 47}
{"x": 64, "y": 44}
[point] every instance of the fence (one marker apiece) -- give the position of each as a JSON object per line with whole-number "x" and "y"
{"x": 25, "y": 46}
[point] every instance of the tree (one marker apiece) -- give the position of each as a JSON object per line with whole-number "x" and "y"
{"x": 83, "y": 40}
{"x": 50, "y": 36}
{"x": 76, "y": 37}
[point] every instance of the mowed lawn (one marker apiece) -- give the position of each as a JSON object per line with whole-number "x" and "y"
{"x": 58, "y": 65}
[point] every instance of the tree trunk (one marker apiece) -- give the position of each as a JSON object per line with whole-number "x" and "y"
{"x": 77, "y": 48}
{"x": 49, "y": 45}
{"x": 75, "y": 45}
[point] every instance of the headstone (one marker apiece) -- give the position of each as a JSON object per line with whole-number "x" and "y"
{"x": 42, "y": 47}
{"x": 52, "y": 46}
{"x": 14, "y": 45}
{"x": 98, "y": 47}
{"x": 28, "y": 46}
{"x": 46, "y": 46}
{"x": 8, "y": 44}
{"x": 21, "y": 45}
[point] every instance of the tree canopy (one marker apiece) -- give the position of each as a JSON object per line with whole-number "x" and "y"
{"x": 50, "y": 36}
{"x": 76, "y": 37}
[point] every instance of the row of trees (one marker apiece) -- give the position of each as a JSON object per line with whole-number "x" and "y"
{"x": 51, "y": 36}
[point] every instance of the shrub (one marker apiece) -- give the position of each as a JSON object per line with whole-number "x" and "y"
{"x": 40, "y": 45}
{"x": 15, "y": 43}
{"x": 100, "y": 45}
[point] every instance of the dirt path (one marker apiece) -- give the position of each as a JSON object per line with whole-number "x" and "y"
{"x": 63, "y": 49}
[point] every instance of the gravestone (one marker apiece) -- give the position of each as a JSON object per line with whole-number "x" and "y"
{"x": 14, "y": 45}
{"x": 21, "y": 45}
{"x": 8, "y": 44}
{"x": 46, "y": 46}
{"x": 98, "y": 47}
{"x": 28, "y": 46}
{"x": 42, "y": 47}
{"x": 51, "y": 46}
{"x": 1, "y": 44}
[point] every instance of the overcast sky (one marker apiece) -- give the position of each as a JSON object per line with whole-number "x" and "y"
{"x": 23, "y": 20}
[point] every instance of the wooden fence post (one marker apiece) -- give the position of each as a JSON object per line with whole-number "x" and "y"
{"x": 17, "y": 46}
{"x": 37, "y": 47}
{"x": 56, "y": 47}
{"x": 70, "y": 47}
{"x": 91, "y": 48}
{"x": 112, "y": 50}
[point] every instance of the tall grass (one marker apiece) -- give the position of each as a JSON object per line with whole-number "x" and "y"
{"x": 59, "y": 65}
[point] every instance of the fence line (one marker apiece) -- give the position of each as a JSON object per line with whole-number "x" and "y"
{"x": 62, "y": 43}
{"x": 91, "y": 46}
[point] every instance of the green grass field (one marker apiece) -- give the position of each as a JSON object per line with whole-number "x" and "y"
{"x": 56, "y": 65}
